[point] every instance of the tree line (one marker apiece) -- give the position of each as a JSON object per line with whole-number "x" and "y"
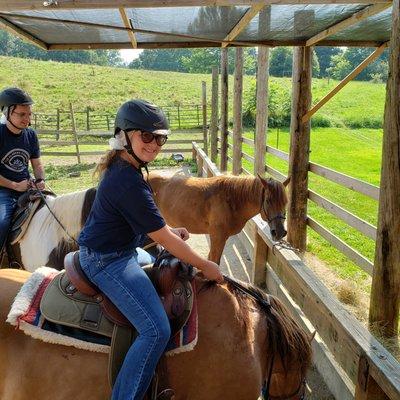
{"x": 12, "y": 46}
{"x": 328, "y": 62}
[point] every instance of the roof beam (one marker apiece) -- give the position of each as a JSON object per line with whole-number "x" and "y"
{"x": 127, "y": 24}
{"x": 13, "y": 5}
{"x": 244, "y": 21}
{"x": 21, "y": 33}
{"x": 354, "y": 19}
{"x": 372, "y": 57}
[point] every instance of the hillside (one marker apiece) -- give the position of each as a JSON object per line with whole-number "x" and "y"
{"x": 54, "y": 84}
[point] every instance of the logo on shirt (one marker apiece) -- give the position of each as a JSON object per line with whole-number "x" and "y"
{"x": 16, "y": 160}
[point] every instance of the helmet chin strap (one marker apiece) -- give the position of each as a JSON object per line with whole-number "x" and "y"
{"x": 128, "y": 147}
{"x": 9, "y": 110}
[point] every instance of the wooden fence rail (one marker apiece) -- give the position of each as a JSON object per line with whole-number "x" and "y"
{"x": 342, "y": 343}
{"x": 180, "y": 117}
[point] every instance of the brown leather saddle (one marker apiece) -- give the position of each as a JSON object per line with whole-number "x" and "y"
{"x": 171, "y": 278}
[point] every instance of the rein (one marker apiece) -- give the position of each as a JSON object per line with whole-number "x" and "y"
{"x": 299, "y": 394}
{"x": 52, "y": 213}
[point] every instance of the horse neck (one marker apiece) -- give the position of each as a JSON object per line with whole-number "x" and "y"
{"x": 68, "y": 210}
{"x": 251, "y": 196}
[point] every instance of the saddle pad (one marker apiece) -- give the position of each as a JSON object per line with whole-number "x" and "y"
{"x": 25, "y": 313}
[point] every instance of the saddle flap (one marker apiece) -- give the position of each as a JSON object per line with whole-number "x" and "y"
{"x": 58, "y": 305}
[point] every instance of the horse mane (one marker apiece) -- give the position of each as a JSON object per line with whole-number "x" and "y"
{"x": 285, "y": 337}
{"x": 240, "y": 190}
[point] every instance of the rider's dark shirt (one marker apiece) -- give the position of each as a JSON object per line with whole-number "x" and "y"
{"x": 123, "y": 210}
{"x": 16, "y": 151}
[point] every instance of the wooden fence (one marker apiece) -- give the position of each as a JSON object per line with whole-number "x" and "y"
{"x": 342, "y": 214}
{"x": 53, "y": 132}
{"x": 181, "y": 116}
{"x": 352, "y": 362}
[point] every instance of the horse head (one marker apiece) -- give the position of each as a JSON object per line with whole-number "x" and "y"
{"x": 286, "y": 372}
{"x": 273, "y": 206}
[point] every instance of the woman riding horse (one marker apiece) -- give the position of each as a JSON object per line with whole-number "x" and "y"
{"x": 123, "y": 211}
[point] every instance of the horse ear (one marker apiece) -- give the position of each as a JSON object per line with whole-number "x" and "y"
{"x": 286, "y": 181}
{"x": 312, "y": 336}
{"x": 263, "y": 181}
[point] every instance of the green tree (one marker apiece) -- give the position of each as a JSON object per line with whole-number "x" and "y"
{"x": 161, "y": 60}
{"x": 324, "y": 55}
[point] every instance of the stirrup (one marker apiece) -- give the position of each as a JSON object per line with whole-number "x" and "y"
{"x": 167, "y": 394}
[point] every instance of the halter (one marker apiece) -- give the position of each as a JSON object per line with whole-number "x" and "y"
{"x": 262, "y": 208}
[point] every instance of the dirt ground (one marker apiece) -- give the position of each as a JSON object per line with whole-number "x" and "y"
{"x": 236, "y": 263}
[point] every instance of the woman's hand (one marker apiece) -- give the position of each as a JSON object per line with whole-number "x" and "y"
{"x": 211, "y": 271}
{"x": 181, "y": 232}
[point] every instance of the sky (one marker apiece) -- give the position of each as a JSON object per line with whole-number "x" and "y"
{"x": 130, "y": 54}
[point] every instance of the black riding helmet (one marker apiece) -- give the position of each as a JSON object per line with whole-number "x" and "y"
{"x": 14, "y": 96}
{"x": 140, "y": 115}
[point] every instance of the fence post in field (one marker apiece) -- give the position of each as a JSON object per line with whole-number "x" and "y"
{"x": 299, "y": 148}
{"x": 35, "y": 121}
{"x": 262, "y": 111}
{"x": 108, "y": 122}
{"x": 73, "y": 125}
{"x": 224, "y": 110}
{"x": 214, "y": 116}
{"x": 204, "y": 109}
{"x": 385, "y": 291}
{"x": 58, "y": 124}
{"x": 87, "y": 119}
{"x": 237, "y": 113}
{"x": 179, "y": 118}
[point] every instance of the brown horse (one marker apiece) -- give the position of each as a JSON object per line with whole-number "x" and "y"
{"x": 245, "y": 340}
{"x": 220, "y": 206}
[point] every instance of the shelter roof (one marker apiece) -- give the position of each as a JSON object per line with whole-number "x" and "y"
{"x": 84, "y": 24}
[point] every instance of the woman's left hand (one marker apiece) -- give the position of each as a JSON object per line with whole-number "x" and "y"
{"x": 181, "y": 232}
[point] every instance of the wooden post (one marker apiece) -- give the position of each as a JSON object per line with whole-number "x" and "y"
{"x": 385, "y": 291}
{"x": 259, "y": 276}
{"x": 204, "y": 109}
{"x": 366, "y": 387}
{"x": 237, "y": 113}
{"x": 58, "y": 125}
{"x": 87, "y": 119}
{"x": 224, "y": 110}
{"x": 299, "y": 148}
{"x": 214, "y": 116}
{"x": 179, "y": 118}
{"x": 74, "y": 132}
{"x": 200, "y": 163}
{"x": 262, "y": 111}
{"x": 108, "y": 122}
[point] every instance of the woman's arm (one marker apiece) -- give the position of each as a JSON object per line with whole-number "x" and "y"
{"x": 176, "y": 246}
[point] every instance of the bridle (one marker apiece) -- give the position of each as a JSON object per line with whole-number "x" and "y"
{"x": 298, "y": 394}
{"x": 280, "y": 215}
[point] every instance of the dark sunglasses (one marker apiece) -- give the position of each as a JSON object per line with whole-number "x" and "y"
{"x": 148, "y": 137}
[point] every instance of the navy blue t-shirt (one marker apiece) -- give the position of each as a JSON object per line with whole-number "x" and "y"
{"x": 16, "y": 151}
{"x": 123, "y": 211}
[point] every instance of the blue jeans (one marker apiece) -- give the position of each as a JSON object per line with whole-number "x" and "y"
{"x": 120, "y": 277}
{"x": 8, "y": 204}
